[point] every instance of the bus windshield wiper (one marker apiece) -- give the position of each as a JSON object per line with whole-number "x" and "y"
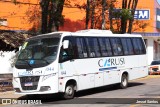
{"x": 27, "y": 63}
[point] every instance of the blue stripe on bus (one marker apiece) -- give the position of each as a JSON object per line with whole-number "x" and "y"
{"x": 102, "y": 69}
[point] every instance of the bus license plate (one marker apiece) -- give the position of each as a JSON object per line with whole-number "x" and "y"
{"x": 28, "y": 84}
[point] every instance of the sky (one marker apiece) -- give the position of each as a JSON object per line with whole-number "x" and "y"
{"x": 158, "y": 1}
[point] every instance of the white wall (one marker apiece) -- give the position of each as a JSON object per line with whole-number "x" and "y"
{"x": 5, "y": 61}
{"x": 150, "y": 49}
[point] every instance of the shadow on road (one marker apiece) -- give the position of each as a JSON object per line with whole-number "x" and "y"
{"x": 54, "y": 98}
{"x": 104, "y": 89}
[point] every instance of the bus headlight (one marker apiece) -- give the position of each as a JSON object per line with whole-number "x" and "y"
{"x": 48, "y": 76}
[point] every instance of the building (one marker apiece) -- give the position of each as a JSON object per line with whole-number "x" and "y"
{"x": 149, "y": 13}
{"x": 25, "y": 16}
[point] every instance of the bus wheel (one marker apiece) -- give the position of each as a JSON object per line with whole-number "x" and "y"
{"x": 69, "y": 92}
{"x": 124, "y": 81}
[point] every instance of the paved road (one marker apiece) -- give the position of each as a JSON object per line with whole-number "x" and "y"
{"x": 143, "y": 91}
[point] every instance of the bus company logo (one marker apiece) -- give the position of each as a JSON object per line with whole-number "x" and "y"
{"x": 110, "y": 63}
{"x": 31, "y": 62}
{"x": 104, "y": 62}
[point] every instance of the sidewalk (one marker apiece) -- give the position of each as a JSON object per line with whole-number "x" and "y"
{"x": 9, "y": 94}
{"x": 149, "y": 77}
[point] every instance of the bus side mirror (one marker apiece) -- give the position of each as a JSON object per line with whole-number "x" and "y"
{"x": 65, "y": 44}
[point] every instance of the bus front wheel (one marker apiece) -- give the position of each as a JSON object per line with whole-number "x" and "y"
{"x": 69, "y": 92}
{"x": 124, "y": 81}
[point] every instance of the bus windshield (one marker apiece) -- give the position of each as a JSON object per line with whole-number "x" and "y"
{"x": 38, "y": 52}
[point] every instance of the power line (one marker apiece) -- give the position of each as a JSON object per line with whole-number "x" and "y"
{"x": 17, "y": 2}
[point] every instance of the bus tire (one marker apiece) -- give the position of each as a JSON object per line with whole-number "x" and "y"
{"x": 69, "y": 92}
{"x": 124, "y": 81}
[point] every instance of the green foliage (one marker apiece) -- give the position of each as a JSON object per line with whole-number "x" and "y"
{"x": 126, "y": 14}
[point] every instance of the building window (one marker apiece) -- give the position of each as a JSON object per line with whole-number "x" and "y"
{"x": 3, "y": 22}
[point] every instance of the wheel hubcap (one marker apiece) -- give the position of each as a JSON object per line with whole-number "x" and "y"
{"x": 124, "y": 82}
{"x": 69, "y": 90}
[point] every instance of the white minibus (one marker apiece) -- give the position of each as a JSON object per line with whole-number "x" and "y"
{"x": 67, "y": 62}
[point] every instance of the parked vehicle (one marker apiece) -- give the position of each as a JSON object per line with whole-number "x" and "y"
{"x": 154, "y": 68}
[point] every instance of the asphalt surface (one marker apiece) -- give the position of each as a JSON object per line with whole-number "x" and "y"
{"x": 144, "y": 92}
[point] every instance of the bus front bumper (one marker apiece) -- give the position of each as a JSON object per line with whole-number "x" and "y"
{"x": 35, "y": 85}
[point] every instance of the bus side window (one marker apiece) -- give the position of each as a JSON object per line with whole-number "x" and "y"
{"x": 81, "y": 47}
{"x": 130, "y": 46}
{"x": 93, "y": 47}
{"x": 66, "y": 54}
{"x": 116, "y": 46}
{"x": 127, "y": 46}
{"x": 105, "y": 46}
{"x": 139, "y": 48}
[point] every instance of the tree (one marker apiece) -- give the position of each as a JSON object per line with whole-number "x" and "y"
{"x": 93, "y": 13}
{"x": 44, "y": 12}
{"x": 127, "y": 6}
{"x": 133, "y": 8}
{"x": 87, "y": 13}
{"x": 103, "y": 14}
{"x": 51, "y": 15}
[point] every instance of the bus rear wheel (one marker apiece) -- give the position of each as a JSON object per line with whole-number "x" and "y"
{"x": 124, "y": 81}
{"x": 69, "y": 92}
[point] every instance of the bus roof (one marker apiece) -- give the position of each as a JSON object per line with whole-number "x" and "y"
{"x": 94, "y": 31}
{"x": 91, "y": 32}
{"x": 102, "y": 33}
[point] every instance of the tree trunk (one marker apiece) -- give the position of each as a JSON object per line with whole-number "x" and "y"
{"x": 44, "y": 6}
{"x": 103, "y": 14}
{"x": 92, "y": 14}
{"x": 87, "y": 13}
{"x": 51, "y": 16}
{"x": 134, "y": 5}
{"x": 110, "y": 16}
{"x": 55, "y": 15}
{"x": 123, "y": 19}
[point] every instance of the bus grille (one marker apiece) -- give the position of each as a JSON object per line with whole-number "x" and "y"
{"x": 32, "y": 82}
